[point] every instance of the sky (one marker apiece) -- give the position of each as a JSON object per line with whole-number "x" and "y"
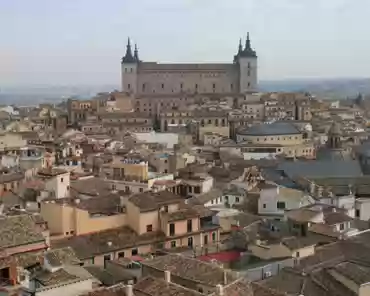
{"x": 73, "y": 42}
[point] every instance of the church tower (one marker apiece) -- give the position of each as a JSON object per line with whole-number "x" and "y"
{"x": 247, "y": 61}
{"x": 129, "y": 69}
{"x": 334, "y": 136}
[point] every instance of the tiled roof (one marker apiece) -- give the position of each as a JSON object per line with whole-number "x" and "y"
{"x": 59, "y": 257}
{"x": 321, "y": 169}
{"x": 153, "y": 66}
{"x": 157, "y": 287}
{"x": 51, "y": 172}
{"x": 47, "y": 278}
{"x": 149, "y": 201}
{"x": 90, "y": 245}
{"x": 19, "y": 230}
{"x": 275, "y": 128}
{"x": 11, "y": 177}
{"x": 191, "y": 269}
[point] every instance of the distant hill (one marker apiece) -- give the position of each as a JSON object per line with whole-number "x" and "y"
{"x": 325, "y": 88}
{"x": 330, "y": 88}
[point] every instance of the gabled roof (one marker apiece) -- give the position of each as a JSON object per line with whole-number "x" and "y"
{"x": 19, "y": 230}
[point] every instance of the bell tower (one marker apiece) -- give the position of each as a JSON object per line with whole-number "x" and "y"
{"x": 247, "y": 60}
{"x": 129, "y": 69}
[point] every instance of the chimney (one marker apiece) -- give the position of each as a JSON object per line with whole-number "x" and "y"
{"x": 129, "y": 290}
{"x": 220, "y": 290}
{"x": 167, "y": 276}
{"x": 225, "y": 277}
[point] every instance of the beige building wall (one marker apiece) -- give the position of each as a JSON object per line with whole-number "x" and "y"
{"x": 126, "y": 252}
{"x": 221, "y": 130}
{"x": 295, "y": 139}
{"x": 139, "y": 221}
{"x": 204, "y": 78}
{"x": 66, "y": 220}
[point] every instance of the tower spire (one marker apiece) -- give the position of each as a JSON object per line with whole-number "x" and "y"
{"x": 248, "y": 51}
{"x": 136, "y": 54}
{"x": 128, "y": 58}
{"x": 247, "y": 43}
{"x": 240, "y": 46}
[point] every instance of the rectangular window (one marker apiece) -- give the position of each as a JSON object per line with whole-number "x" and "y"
{"x": 214, "y": 85}
{"x": 134, "y": 252}
{"x": 281, "y": 205}
{"x": 106, "y": 258}
{"x": 197, "y": 189}
{"x": 173, "y": 244}
{"x": 190, "y": 225}
{"x": 236, "y": 199}
{"x": 214, "y": 236}
{"x": 162, "y": 86}
{"x": 129, "y": 86}
{"x": 149, "y": 228}
{"x": 206, "y": 239}
{"x": 357, "y": 214}
{"x": 166, "y": 209}
{"x": 341, "y": 226}
{"x": 190, "y": 242}
{"x": 172, "y": 229}
{"x": 121, "y": 254}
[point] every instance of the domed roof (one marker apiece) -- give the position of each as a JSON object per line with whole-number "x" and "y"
{"x": 335, "y": 129}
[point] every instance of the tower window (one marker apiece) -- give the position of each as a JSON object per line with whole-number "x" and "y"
{"x": 125, "y": 70}
{"x": 249, "y": 65}
{"x": 162, "y": 85}
{"x": 143, "y": 87}
{"x": 249, "y": 84}
{"x": 131, "y": 70}
{"x": 196, "y": 86}
{"x": 181, "y": 85}
{"x": 214, "y": 85}
{"x": 231, "y": 86}
{"x": 129, "y": 86}
{"x": 249, "y": 73}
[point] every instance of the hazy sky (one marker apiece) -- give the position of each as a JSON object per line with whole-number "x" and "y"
{"x": 82, "y": 41}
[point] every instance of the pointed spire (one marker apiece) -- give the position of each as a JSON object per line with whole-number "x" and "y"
{"x": 248, "y": 51}
{"x": 128, "y": 58}
{"x": 240, "y": 46}
{"x": 136, "y": 54}
{"x": 247, "y": 43}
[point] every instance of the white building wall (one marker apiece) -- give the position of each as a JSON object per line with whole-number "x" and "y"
{"x": 207, "y": 185}
{"x": 267, "y": 203}
{"x": 362, "y": 209}
{"x": 59, "y": 185}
